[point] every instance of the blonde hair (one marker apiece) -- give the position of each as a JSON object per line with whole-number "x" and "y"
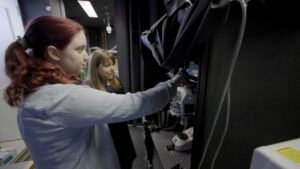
{"x": 99, "y": 56}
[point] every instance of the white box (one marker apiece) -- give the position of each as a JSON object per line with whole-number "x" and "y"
{"x": 284, "y": 155}
{"x": 6, "y": 155}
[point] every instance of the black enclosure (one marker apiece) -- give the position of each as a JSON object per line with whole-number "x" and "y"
{"x": 265, "y": 93}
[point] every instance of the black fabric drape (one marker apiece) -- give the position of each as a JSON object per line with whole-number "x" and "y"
{"x": 181, "y": 31}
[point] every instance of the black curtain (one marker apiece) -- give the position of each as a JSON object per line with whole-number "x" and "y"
{"x": 265, "y": 93}
{"x": 137, "y": 68}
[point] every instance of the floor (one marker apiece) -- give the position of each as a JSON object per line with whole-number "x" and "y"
{"x": 171, "y": 159}
{"x": 137, "y": 135}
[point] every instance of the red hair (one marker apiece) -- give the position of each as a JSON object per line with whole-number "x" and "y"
{"x": 27, "y": 73}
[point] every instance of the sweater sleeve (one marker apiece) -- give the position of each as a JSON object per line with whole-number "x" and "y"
{"x": 81, "y": 106}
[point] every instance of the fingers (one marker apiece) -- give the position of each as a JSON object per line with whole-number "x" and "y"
{"x": 179, "y": 79}
{"x": 180, "y": 71}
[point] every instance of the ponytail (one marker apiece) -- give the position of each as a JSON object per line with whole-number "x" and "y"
{"x": 16, "y": 61}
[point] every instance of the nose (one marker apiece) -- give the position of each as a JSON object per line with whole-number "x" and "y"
{"x": 112, "y": 68}
{"x": 86, "y": 57}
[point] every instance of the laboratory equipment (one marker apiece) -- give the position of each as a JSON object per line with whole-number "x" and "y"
{"x": 183, "y": 141}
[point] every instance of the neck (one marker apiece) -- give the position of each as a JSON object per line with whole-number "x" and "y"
{"x": 106, "y": 82}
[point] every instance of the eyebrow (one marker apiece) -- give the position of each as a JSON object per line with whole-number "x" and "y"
{"x": 81, "y": 46}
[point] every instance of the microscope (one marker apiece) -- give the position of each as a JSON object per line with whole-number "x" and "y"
{"x": 182, "y": 106}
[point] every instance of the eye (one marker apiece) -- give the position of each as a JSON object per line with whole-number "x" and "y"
{"x": 80, "y": 49}
{"x": 107, "y": 65}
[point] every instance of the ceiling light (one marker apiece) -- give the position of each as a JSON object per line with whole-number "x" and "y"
{"x": 88, "y": 8}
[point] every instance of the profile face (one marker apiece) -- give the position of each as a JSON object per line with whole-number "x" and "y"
{"x": 74, "y": 57}
{"x": 106, "y": 70}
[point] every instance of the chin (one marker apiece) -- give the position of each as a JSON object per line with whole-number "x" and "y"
{"x": 80, "y": 72}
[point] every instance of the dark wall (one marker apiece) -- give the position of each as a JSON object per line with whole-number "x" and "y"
{"x": 111, "y": 40}
{"x": 94, "y": 35}
{"x": 31, "y": 9}
{"x": 122, "y": 38}
{"x": 98, "y": 36}
{"x": 265, "y": 93}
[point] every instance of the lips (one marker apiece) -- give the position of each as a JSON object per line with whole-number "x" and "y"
{"x": 110, "y": 74}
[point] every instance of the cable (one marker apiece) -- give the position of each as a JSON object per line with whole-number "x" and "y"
{"x": 243, "y": 4}
{"x": 225, "y": 129}
{"x": 221, "y": 4}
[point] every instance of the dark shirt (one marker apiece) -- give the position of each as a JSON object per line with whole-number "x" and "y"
{"x": 121, "y": 138}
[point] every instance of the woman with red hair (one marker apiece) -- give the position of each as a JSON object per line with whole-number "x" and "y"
{"x": 64, "y": 123}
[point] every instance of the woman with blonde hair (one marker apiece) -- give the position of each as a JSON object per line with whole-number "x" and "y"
{"x": 101, "y": 76}
{"x": 101, "y": 71}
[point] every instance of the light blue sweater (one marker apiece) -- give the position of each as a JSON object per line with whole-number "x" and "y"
{"x": 64, "y": 125}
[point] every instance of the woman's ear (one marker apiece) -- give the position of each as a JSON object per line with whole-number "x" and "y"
{"x": 52, "y": 53}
